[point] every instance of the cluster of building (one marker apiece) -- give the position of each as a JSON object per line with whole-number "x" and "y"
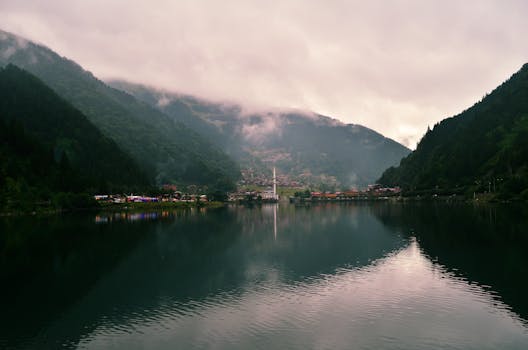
{"x": 173, "y": 197}
{"x": 258, "y": 178}
{"x": 375, "y": 191}
{"x": 269, "y": 195}
{"x": 379, "y": 190}
{"x": 254, "y": 196}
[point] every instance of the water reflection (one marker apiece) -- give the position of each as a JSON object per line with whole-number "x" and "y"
{"x": 265, "y": 277}
{"x": 275, "y": 221}
{"x": 397, "y": 297}
{"x": 486, "y": 245}
{"x": 134, "y": 215}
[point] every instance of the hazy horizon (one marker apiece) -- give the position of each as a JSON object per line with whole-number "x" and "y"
{"x": 396, "y": 67}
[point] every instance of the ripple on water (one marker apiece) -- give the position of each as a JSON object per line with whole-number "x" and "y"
{"x": 402, "y": 300}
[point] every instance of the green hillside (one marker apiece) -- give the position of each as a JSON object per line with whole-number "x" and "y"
{"x": 484, "y": 148}
{"x": 166, "y": 150}
{"x": 66, "y": 132}
{"x": 312, "y": 149}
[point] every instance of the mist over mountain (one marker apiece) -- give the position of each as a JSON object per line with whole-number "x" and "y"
{"x": 166, "y": 150}
{"x": 484, "y": 148}
{"x": 187, "y": 140}
{"x": 306, "y": 148}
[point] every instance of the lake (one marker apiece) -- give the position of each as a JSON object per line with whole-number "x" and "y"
{"x": 329, "y": 276}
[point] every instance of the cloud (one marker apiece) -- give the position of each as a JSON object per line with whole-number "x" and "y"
{"x": 394, "y": 66}
{"x": 259, "y": 128}
{"x": 163, "y": 101}
{"x": 12, "y": 45}
{"x": 9, "y": 51}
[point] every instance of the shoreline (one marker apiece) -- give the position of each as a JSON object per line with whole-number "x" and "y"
{"x": 454, "y": 198}
{"x": 117, "y": 207}
{"x": 156, "y": 206}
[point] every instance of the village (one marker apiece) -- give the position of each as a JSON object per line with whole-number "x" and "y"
{"x": 374, "y": 191}
{"x": 164, "y": 198}
{"x": 269, "y": 194}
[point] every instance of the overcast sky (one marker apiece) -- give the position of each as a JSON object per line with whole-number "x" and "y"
{"x": 394, "y": 66}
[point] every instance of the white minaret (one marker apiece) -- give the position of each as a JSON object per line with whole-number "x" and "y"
{"x": 274, "y": 185}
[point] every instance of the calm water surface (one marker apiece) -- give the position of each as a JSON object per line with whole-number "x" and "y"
{"x": 374, "y": 276}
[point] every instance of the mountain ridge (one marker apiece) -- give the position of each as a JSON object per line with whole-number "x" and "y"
{"x": 482, "y": 149}
{"x": 167, "y": 151}
{"x": 57, "y": 124}
{"x": 291, "y": 140}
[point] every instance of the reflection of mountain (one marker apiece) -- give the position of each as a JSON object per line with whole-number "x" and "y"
{"x": 333, "y": 274}
{"x": 52, "y": 264}
{"x": 49, "y": 264}
{"x": 108, "y": 277}
{"x": 486, "y": 245}
{"x": 313, "y": 240}
{"x": 404, "y": 298}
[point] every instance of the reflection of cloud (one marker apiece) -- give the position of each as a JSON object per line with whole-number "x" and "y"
{"x": 403, "y": 298}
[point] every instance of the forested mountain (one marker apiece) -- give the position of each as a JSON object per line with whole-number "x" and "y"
{"x": 166, "y": 150}
{"x": 28, "y": 170}
{"x": 307, "y": 148}
{"x": 66, "y": 133}
{"x": 484, "y": 148}
{"x": 50, "y": 153}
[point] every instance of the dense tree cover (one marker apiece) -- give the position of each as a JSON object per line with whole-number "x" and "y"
{"x": 98, "y": 161}
{"x": 301, "y": 146}
{"x": 31, "y": 178}
{"x": 166, "y": 150}
{"x": 51, "y": 156}
{"x": 484, "y": 148}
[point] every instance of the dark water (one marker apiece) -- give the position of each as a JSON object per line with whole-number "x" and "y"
{"x": 322, "y": 277}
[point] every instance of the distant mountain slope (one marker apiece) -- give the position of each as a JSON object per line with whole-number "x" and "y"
{"x": 66, "y": 131}
{"x": 308, "y": 148}
{"x": 168, "y": 151}
{"x": 482, "y": 148}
